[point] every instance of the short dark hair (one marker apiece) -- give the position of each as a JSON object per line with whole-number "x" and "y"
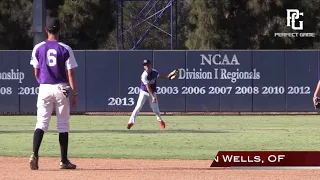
{"x": 53, "y": 25}
{"x": 53, "y": 31}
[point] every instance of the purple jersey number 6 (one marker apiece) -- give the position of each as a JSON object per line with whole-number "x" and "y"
{"x": 51, "y": 57}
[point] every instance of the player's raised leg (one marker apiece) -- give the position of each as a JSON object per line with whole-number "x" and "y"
{"x": 143, "y": 96}
{"x": 44, "y": 110}
{"x": 63, "y": 117}
{"x": 156, "y": 110}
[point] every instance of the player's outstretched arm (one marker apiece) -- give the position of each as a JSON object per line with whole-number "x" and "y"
{"x": 162, "y": 76}
{"x": 172, "y": 75}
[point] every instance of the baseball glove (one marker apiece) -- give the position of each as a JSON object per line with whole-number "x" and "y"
{"x": 65, "y": 90}
{"x": 173, "y": 74}
{"x": 316, "y": 103}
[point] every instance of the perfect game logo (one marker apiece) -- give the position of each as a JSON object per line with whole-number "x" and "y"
{"x": 293, "y": 21}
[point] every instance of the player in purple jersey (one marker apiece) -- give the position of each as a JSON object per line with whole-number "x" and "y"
{"x": 53, "y": 64}
{"x": 148, "y": 89}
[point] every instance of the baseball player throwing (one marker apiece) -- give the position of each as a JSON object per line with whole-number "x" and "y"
{"x": 54, "y": 64}
{"x": 148, "y": 92}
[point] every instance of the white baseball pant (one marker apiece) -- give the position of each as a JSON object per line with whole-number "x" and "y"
{"x": 143, "y": 96}
{"x": 50, "y": 97}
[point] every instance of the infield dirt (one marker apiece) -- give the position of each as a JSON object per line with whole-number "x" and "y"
{"x": 17, "y": 168}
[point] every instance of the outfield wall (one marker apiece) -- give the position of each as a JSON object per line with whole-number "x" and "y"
{"x": 209, "y": 81}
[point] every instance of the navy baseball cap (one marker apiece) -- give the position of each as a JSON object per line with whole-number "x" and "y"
{"x": 53, "y": 24}
{"x": 146, "y": 62}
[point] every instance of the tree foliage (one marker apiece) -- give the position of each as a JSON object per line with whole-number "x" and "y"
{"x": 202, "y": 24}
{"x": 86, "y": 23}
{"x": 15, "y": 24}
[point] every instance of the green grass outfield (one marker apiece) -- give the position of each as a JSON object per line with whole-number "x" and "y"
{"x": 186, "y": 137}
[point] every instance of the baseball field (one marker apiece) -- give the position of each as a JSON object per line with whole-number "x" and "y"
{"x": 103, "y": 148}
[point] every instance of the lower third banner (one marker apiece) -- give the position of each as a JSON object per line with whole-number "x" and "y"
{"x": 266, "y": 158}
